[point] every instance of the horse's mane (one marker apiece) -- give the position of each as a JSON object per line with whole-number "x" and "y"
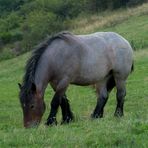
{"x": 32, "y": 63}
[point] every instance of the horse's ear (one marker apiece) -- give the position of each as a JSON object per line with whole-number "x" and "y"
{"x": 20, "y": 86}
{"x": 33, "y": 87}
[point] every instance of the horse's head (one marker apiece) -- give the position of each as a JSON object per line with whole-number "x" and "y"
{"x": 32, "y": 104}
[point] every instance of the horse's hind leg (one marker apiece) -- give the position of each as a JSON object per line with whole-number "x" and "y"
{"x": 120, "y": 95}
{"x": 66, "y": 111}
{"x": 102, "y": 99}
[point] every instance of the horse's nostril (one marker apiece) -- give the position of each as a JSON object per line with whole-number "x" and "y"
{"x": 34, "y": 124}
{"x": 31, "y": 124}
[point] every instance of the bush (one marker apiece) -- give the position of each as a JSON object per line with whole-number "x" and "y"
{"x": 16, "y": 36}
{"x": 135, "y": 2}
{"x": 6, "y": 54}
{"x": 10, "y": 5}
{"x": 5, "y": 37}
{"x": 38, "y": 25}
{"x": 63, "y": 8}
{"x": 8, "y": 37}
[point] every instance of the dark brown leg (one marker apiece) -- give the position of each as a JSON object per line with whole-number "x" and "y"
{"x": 60, "y": 89}
{"x": 54, "y": 108}
{"x": 66, "y": 111}
{"x": 121, "y": 93}
{"x": 102, "y": 99}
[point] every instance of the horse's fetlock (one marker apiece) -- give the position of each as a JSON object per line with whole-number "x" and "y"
{"x": 118, "y": 112}
{"x": 67, "y": 119}
{"x": 95, "y": 116}
{"x": 51, "y": 121}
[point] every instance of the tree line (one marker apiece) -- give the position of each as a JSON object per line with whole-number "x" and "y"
{"x": 29, "y": 21}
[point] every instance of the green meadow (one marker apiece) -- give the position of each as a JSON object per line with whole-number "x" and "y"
{"x": 128, "y": 131}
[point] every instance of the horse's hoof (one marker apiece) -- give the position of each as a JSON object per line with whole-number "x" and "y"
{"x": 95, "y": 116}
{"x": 67, "y": 120}
{"x": 51, "y": 121}
{"x": 118, "y": 113}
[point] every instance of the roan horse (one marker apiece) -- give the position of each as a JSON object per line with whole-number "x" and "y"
{"x": 103, "y": 59}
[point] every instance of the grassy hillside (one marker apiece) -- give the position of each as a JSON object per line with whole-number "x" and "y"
{"x": 24, "y": 28}
{"x": 134, "y": 30}
{"x": 130, "y": 23}
{"x": 129, "y": 131}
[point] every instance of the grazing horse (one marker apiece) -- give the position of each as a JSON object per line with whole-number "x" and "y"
{"x": 103, "y": 59}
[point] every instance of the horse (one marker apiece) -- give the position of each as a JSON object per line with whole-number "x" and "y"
{"x": 103, "y": 59}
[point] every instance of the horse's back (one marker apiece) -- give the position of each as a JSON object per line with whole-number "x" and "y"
{"x": 87, "y": 59}
{"x": 123, "y": 53}
{"x": 113, "y": 47}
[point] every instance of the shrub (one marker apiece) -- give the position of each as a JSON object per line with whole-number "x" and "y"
{"x": 135, "y": 2}
{"x": 10, "y": 5}
{"x": 5, "y": 37}
{"x": 16, "y": 36}
{"x": 8, "y": 37}
{"x": 38, "y": 25}
{"x": 6, "y": 54}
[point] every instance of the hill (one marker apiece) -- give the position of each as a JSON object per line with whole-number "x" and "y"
{"x": 24, "y": 23}
{"x": 129, "y": 131}
{"x": 130, "y": 23}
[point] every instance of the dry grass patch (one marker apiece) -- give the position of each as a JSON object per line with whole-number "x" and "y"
{"x": 106, "y": 19}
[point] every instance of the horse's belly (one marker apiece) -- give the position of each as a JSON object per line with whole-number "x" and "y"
{"x": 90, "y": 75}
{"x": 84, "y": 81}
{"x": 93, "y": 68}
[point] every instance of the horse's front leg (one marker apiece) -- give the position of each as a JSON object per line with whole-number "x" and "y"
{"x": 66, "y": 111}
{"x": 60, "y": 89}
{"x": 54, "y": 108}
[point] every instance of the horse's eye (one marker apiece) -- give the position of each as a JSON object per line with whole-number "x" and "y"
{"x": 32, "y": 106}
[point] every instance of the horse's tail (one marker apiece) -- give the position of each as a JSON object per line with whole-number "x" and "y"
{"x": 132, "y": 68}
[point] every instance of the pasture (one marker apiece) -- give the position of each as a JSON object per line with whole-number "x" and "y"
{"x": 128, "y": 131}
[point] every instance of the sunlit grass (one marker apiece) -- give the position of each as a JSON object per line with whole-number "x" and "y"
{"x": 129, "y": 131}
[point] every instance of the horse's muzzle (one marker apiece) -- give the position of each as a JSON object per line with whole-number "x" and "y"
{"x": 33, "y": 124}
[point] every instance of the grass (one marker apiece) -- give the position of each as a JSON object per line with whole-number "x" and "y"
{"x": 129, "y": 131}
{"x": 85, "y": 24}
{"x": 130, "y": 23}
{"x": 136, "y": 34}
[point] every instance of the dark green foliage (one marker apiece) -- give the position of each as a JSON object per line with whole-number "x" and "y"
{"x": 10, "y": 22}
{"x": 100, "y": 5}
{"x": 38, "y": 25}
{"x": 135, "y": 2}
{"x": 8, "y": 37}
{"x": 7, "y": 6}
{"x": 64, "y": 8}
{"x": 29, "y": 21}
{"x": 9, "y": 28}
{"x": 5, "y": 37}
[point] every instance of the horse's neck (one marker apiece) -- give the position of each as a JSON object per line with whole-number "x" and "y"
{"x": 40, "y": 86}
{"x": 42, "y": 75}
